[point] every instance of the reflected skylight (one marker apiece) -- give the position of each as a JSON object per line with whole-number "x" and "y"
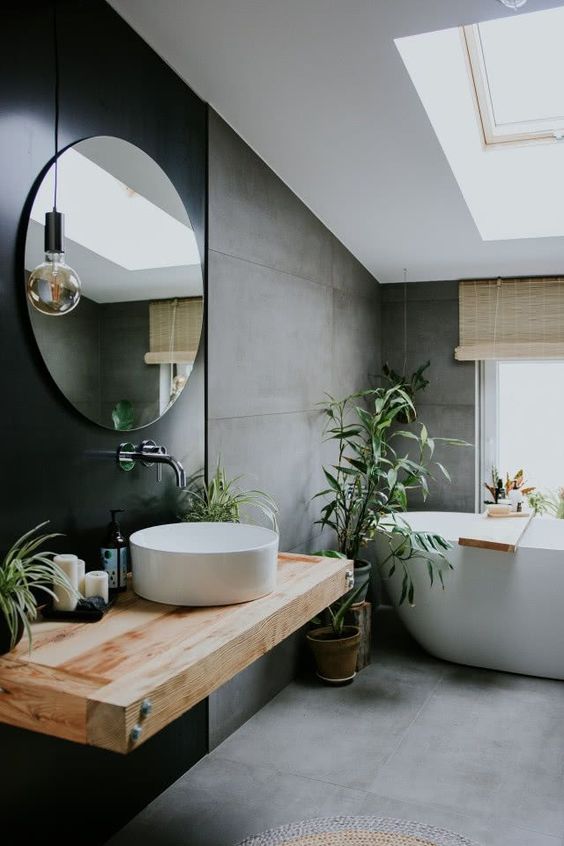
{"x": 95, "y": 204}
{"x": 513, "y": 190}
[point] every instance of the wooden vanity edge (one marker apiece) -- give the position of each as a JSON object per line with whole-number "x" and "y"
{"x": 112, "y": 714}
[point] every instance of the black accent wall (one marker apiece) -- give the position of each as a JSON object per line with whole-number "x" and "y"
{"x": 55, "y": 464}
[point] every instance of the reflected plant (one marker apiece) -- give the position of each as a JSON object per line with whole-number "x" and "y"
{"x": 123, "y": 417}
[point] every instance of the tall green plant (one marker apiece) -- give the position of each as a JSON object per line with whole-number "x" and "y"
{"x": 221, "y": 500}
{"x": 410, "y": 384}
{"x": 370, "y": 482}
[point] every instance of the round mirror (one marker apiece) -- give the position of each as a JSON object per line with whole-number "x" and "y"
{"x": 124, "y": 353}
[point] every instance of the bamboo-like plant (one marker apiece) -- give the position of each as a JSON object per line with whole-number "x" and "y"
{"x": 22, "y": 571}
{"x": 370, "y": 482}
{"x": 221, "y": 500}
{"x": 409, "y": 384}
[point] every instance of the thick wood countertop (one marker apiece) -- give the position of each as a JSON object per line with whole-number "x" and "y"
{"x": 87, "y": 682}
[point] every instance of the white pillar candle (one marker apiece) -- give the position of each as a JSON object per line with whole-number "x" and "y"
{"x": 68, "y": 564}
{"x": 81, "y": 573}
{"x": 96, "y": 584}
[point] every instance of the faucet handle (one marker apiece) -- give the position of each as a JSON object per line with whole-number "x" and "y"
{"x": 149, "y": 448}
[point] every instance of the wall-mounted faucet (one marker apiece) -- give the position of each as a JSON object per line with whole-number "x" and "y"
{"x": 149, "y": 453}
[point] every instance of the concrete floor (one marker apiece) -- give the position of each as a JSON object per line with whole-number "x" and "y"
{"x": 475, "y": 751}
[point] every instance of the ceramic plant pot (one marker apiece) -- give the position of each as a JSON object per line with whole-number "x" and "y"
{"x": 5, "y": 638}
{"x": 335, "y": 658}
{"x": 362, "y": 570}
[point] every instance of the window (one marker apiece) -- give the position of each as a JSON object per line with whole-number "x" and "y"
{"x": 516, "y": 70}
{"x": 522, "y": 411}
{"x": 510, "y": 91}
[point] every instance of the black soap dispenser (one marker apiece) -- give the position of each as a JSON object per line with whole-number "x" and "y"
{"x": 499, "y": 491}
{"x": 114, "y": 555}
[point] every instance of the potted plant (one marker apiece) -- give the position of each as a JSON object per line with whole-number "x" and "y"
{"x": 368, "y": 486}
{"x": 221, "y": 500}
{"x": 548, "y": 503}
{"x": 25, "y": 573}
{"x": 517, "y": 481}
{"x": 335, "y": 647}
{"x": 410, "y": 385}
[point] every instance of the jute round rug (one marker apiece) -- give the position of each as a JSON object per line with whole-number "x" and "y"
{"x": 357, "y": 831}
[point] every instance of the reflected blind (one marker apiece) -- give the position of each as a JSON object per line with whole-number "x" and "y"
{"x": 511, "y": 318}
{"x": 175, "y": 327}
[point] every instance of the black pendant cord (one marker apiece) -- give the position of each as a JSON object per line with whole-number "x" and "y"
{"x": 57, "y": 80}
{"x": 404, "y": 320}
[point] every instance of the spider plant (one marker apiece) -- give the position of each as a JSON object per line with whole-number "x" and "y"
{"x": 23, "y": 571}
{"x": 548, "y": 503}
{"x": 221, "y": 500}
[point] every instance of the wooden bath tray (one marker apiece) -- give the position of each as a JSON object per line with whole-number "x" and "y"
{"x": 501, "y": 534}
{"x": 115, "y": 683}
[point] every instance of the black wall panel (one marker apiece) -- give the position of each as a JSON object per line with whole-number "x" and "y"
{"x": 55, "y": 464}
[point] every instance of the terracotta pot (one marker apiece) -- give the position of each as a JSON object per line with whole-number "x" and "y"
{"x": 335, "y": 657}
{"x": 5, "y": 638}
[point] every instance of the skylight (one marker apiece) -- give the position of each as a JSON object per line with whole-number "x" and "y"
{"x": 517, "y": 70}
{"x": 513, "y": 190}
{"x": 95, "y": 204}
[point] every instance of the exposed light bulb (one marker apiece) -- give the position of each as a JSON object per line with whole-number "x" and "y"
{"x": 53, "y": 288}
{"x": 513, "y": 4}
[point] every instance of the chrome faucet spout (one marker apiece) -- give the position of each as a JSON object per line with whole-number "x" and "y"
{"x": 149, "y": 453}
{"x": 179, "y": 472}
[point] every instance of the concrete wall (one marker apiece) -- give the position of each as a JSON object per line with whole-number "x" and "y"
{"x": 71, "y": 351}
{"x": 96, "y": 355}
{"x": 291, "y": 315}
{"x": 124, "y": 340}
{"x": 447, "y": 405}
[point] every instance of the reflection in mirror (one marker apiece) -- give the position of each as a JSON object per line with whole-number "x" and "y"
{"x": 124, "y": 354}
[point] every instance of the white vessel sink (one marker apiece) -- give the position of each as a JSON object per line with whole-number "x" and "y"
{"x": 204, "y": 563}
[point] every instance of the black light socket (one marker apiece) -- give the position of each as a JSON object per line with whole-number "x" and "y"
{"x": 54, "y": 232}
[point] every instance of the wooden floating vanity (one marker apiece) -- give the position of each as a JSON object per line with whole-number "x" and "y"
{"x": 115, "y": 683}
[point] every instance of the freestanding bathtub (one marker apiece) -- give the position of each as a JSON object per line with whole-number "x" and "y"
{"x": 499, "y": 610}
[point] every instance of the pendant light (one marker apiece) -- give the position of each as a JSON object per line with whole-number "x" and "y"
{"x": 513, "y": 4}
{"x": 53, "y": 288}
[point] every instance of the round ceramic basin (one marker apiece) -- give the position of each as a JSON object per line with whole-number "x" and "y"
{"x": 204, "y": 563}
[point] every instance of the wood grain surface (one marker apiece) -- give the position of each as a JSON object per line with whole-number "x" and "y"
{"x": 500, "y": 534}
{"x": 86, "y": 682}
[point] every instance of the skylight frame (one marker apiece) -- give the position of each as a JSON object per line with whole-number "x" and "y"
{"x": 502, "y": 135}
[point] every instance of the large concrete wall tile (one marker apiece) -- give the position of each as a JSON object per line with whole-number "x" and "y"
{"x": 255, "y": 216}
{"x": 269, "y": 340}
{"x": 357, "y": 340}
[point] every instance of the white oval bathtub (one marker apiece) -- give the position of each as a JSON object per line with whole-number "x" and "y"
{"x": 499, "y": 610}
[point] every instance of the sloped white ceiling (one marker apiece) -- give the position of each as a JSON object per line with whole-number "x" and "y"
{"x": 319, "y": 91}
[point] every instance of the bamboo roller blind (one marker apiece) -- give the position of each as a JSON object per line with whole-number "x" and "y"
{"x": 511, "y": 318}
{"x": 175, "y": 327}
